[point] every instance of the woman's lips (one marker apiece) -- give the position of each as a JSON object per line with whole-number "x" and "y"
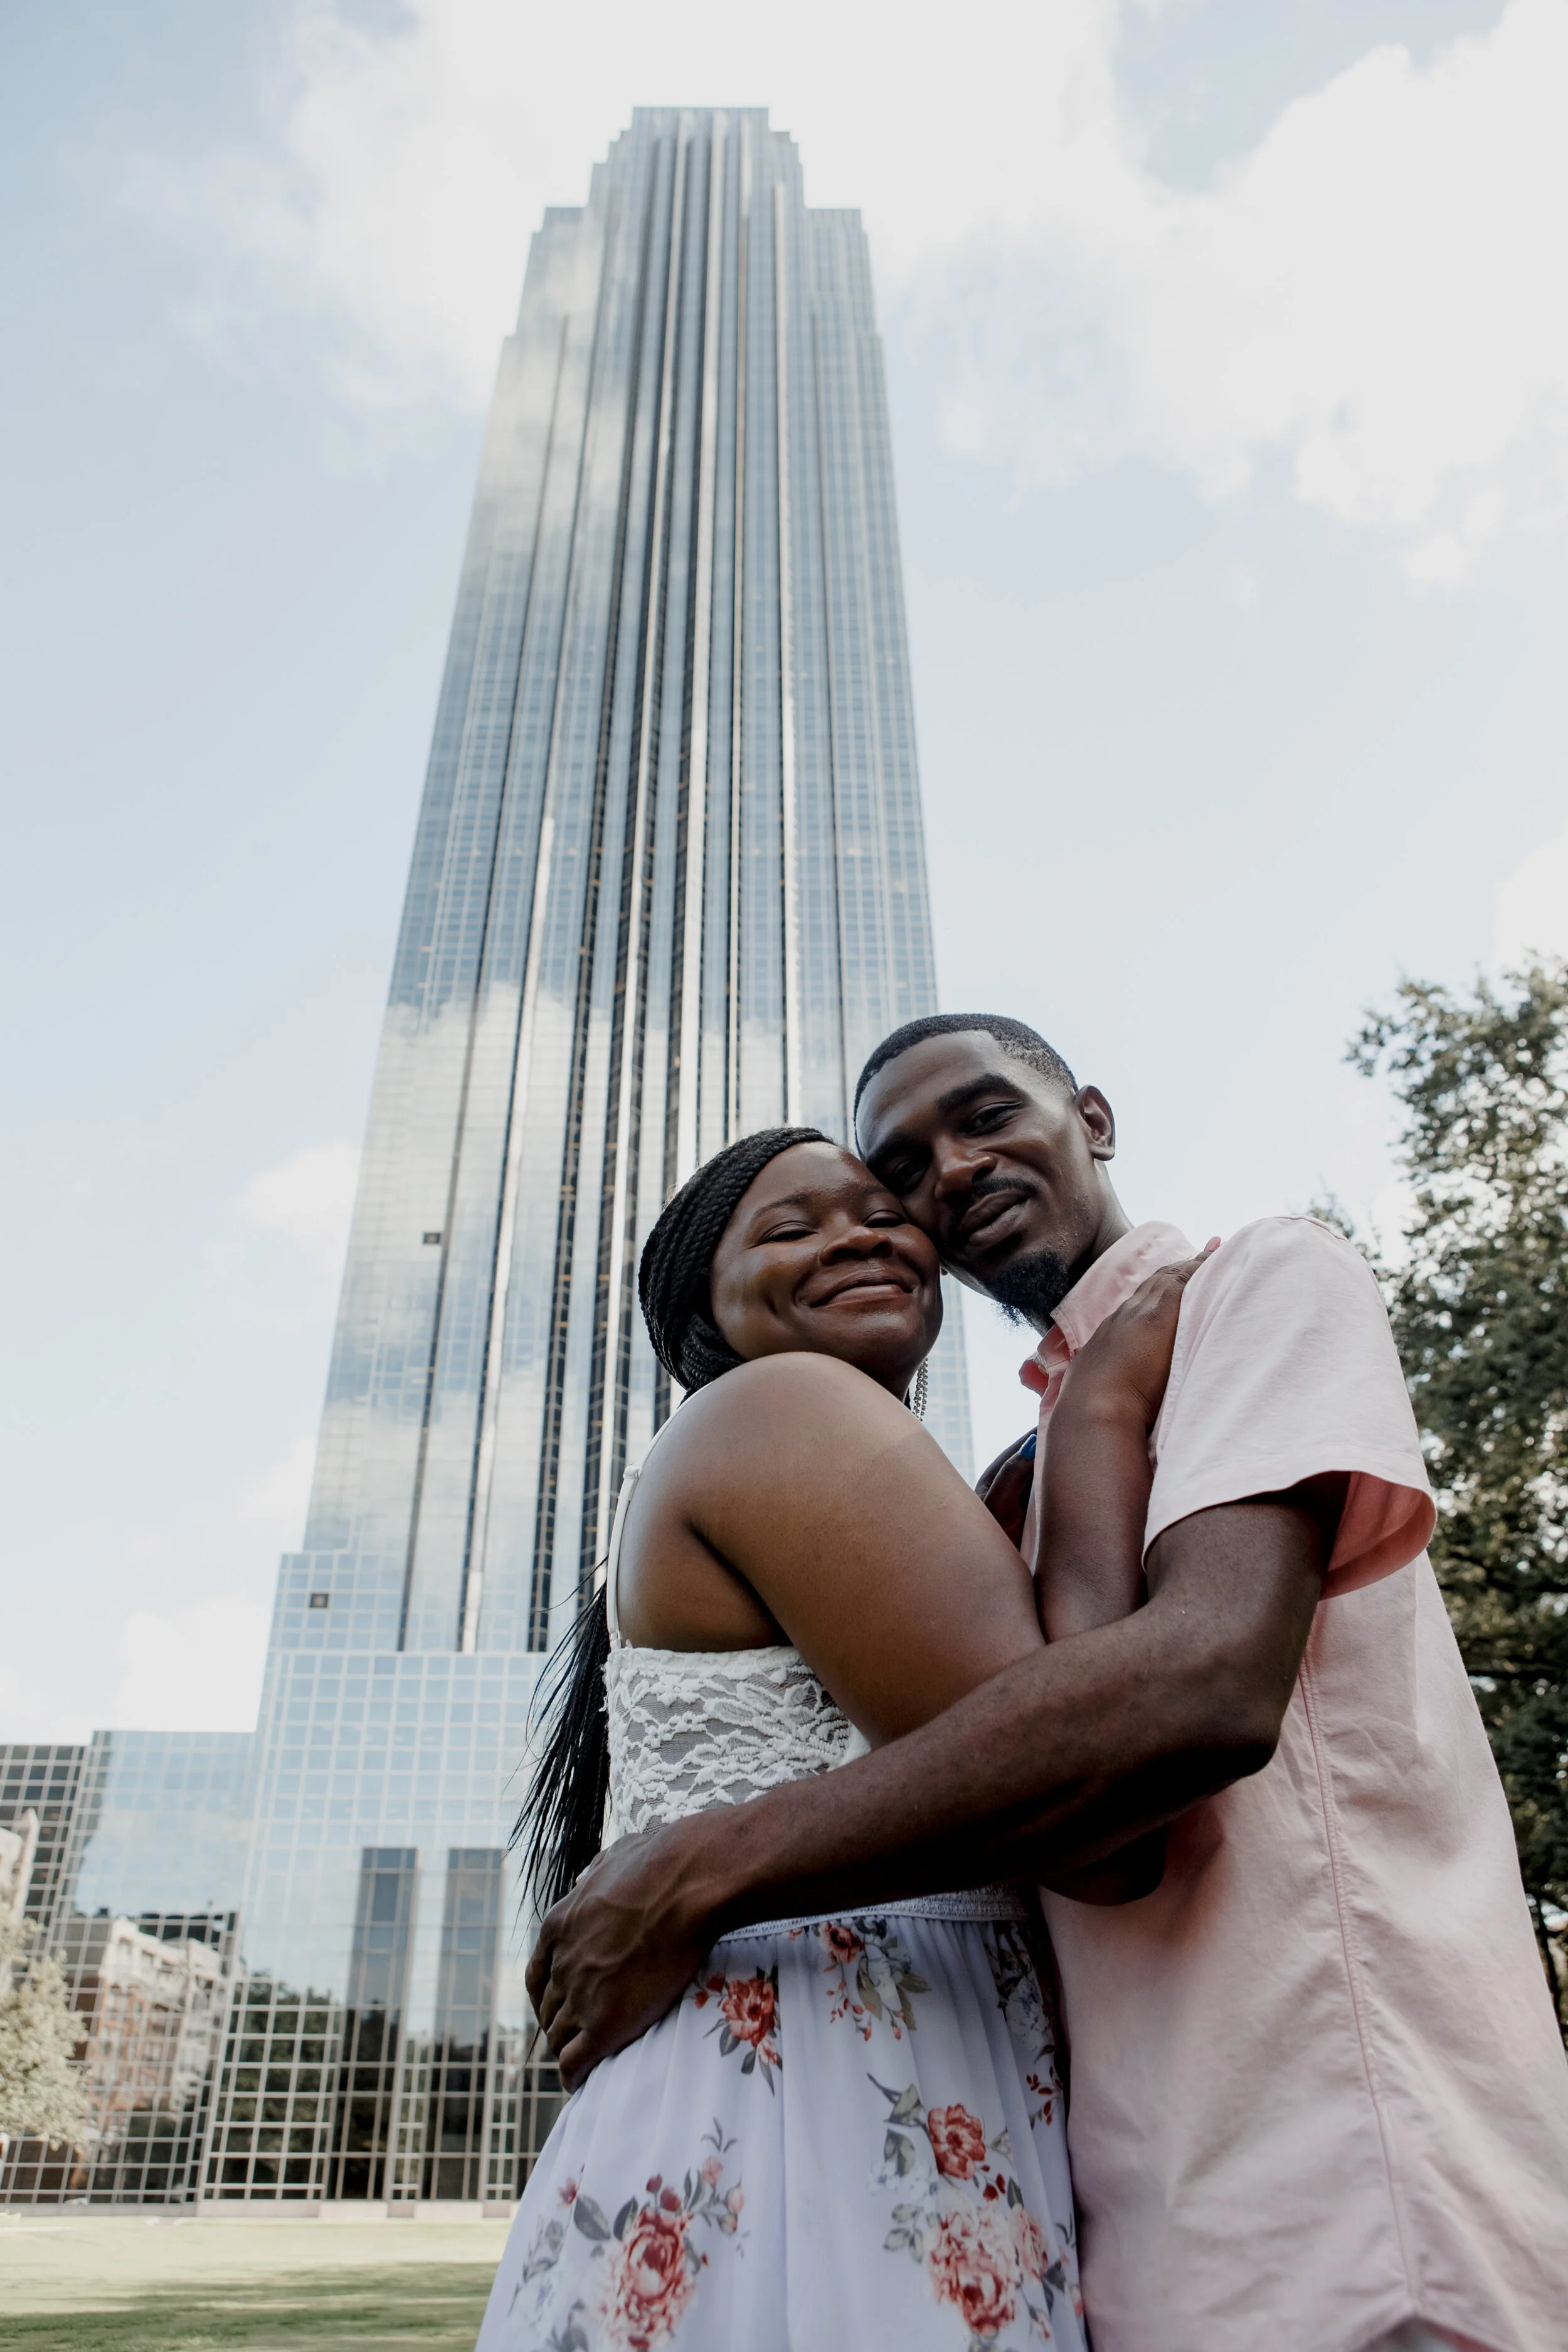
{"x": 873, "y": 1286}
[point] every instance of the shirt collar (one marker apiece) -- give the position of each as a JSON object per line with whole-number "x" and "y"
{"x": 1114, "y": 1276}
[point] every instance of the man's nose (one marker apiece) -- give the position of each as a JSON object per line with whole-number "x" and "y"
{"x": 956, "y": 1166}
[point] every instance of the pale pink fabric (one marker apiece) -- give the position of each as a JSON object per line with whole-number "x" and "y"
{"x": 1317, "y": 2086}
{"x": 1414, "y": 2338}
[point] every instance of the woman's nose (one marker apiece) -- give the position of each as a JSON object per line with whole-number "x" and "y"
{"x": 859, "y": 1241}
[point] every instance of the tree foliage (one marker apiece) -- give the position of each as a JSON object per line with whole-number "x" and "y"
{"x": 1479, "y": 1307}
{"x": 42, "y": 2093}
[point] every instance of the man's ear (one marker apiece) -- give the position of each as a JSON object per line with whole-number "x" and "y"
{"x": 1099, "y": 1119}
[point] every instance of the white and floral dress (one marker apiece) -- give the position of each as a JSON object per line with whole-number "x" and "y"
{"x": 850, "y": 2132}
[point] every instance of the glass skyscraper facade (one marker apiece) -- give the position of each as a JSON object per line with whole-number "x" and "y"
{"x": 668, "y": 886}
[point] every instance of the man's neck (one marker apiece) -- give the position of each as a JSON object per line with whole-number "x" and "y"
{"x": 1114, "y": 1225}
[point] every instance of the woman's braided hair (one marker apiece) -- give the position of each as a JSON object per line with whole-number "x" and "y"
{"x": 560, "y": 1826}
{"x": 678, "y": 1258}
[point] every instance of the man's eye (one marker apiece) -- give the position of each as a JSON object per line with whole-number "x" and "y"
{"x": 990, "y": 1115}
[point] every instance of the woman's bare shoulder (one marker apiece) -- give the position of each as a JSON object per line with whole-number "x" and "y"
{"x": 784, "y": 1428}
{"x": 773, "y": 1395}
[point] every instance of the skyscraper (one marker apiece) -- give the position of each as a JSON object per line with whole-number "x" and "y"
{"x": 668, "y": 886}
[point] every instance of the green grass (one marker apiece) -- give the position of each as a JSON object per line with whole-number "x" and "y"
{"x": 435, "y": 2303}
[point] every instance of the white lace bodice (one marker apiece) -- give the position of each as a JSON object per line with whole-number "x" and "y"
{"x": 691, "y": 1728}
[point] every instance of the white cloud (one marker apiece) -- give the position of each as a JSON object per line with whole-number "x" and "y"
{"x": 1531, "y": 915}
{"x": 26, "y": 1712}
{"x": 275, "y": 1501}
{"x": 196, "y": 1669}
{"x": 1373, "y": 293}
{"x": 308, "y": 1199}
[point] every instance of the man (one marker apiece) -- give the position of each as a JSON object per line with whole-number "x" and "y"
{"x": 1317, "y": 2096}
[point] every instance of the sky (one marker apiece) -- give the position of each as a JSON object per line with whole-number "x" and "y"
{"x": 1227, "y": 353}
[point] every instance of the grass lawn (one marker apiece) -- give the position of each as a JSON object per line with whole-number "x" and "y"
{"x": 127, "y": 2285}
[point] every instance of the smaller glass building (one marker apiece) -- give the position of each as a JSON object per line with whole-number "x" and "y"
{"x": 376, "y": 2045}
{"x": 135, "y": 1891}
{"x": 44, "y": 1780}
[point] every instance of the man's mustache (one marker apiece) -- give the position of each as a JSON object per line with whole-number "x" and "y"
{"x": 983, "y": 1189}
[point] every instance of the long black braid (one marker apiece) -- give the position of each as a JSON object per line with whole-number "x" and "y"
{"x": 561, "y": 1825}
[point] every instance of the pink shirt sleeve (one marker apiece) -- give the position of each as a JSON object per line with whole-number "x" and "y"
{"x": 1284, "y": 1369}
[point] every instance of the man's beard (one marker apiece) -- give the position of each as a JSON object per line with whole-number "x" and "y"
{"x": 1029, "y": 1289}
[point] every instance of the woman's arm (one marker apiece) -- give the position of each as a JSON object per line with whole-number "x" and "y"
{"x": 1094, "y": 1502}
{"x": 1095, "y": 1479}
{"x": 813, "y": 1489}
{"x": 818, "y": 1490}
{"x": 1094, "y": 1506}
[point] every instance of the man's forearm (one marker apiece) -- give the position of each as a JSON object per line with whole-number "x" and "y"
{"x": 1064, "y": 1758}
{"x": 1044, "y": 1767}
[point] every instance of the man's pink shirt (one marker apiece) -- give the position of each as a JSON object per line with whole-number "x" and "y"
{"x": 1316, "y": 2084}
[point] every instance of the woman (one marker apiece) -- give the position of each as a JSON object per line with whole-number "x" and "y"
{"x": 851, "y": 2130}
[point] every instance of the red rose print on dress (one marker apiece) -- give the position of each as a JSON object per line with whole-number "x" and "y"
{"x": 841, "y": 1941}
{"x": 972, "y": 2263}
{"x": 748, "y": 2020}
{"x": 644, "y": 2266}
{"x": 961, "y": 2216}
{"x": 749, "y": 2005}
{"x": 1034, "y": 2254}
{"x": 958, "y": 2141}
{"x": 650, "y": 2280}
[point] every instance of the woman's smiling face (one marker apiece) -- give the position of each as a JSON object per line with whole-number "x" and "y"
{"x": 819, "y": 1258}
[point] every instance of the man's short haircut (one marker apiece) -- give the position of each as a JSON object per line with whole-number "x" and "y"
{"x": 1016, "y": 1039}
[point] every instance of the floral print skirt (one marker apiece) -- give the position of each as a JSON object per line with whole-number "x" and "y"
{"x": 850, "y": 2132}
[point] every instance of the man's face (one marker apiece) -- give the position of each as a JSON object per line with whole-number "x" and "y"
{"x": 998, "y": 1166}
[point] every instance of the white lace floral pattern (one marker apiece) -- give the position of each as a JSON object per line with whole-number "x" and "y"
{"x": 691, "y": 1728}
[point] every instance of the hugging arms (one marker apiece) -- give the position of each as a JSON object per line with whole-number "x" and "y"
{"x": 995, "y": 1756}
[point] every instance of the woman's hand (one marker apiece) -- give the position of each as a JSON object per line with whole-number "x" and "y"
{"x": 1005, "y": 1487}
{"x": 1128, "y": 1360}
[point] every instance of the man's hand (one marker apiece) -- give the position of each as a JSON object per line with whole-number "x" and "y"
{"x": 1054, "y": 1763}
{"x": 1004, "y": 1486}
{"x": 617, "y": 1952}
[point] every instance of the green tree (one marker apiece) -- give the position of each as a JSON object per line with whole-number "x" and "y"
{"x": 42, "y": 2094}
{"x": 1479, "y": 1303}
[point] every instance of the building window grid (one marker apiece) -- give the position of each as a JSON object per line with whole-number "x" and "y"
{"x": 152, "y": 1996}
